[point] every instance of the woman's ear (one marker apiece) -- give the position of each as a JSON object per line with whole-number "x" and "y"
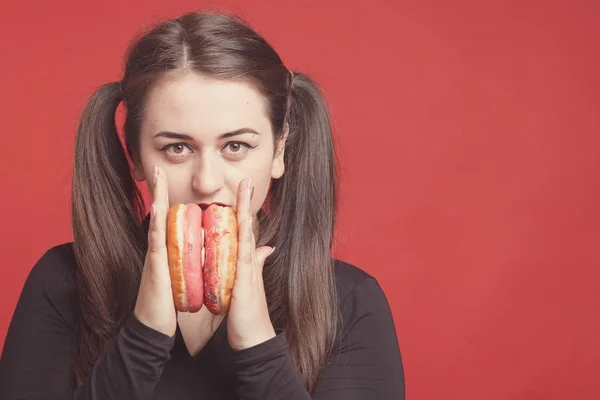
{"x": 278, "y": 167}
{"x": 138, "y": 170}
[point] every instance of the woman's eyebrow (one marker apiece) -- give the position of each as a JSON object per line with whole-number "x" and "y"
{"x": 182, "y": 136}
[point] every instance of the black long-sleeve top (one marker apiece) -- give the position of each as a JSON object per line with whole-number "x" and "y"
{"x": 141, "y": 363}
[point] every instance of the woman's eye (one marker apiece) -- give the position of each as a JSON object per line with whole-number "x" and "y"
{"x": 236, "y": 149}
{"x": 176, "y": 149}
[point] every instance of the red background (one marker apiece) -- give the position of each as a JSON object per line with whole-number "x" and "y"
{"x": 470, "y": 145}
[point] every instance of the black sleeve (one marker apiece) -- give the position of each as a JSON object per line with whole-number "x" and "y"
{"x": 38, "y": 353}
{"x": 365, "y": 365}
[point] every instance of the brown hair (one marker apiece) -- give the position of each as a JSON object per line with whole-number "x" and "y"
{"x": 297, "y": 218}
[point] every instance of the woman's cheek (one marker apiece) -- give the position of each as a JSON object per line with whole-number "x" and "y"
{"x": 261, "y": 189}
{"x": 176, "y": 186}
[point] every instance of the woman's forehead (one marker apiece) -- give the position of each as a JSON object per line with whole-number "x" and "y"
{"x": 193, "y": 104}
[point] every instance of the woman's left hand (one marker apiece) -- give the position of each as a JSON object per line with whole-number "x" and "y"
{"x": 248, "y": 320}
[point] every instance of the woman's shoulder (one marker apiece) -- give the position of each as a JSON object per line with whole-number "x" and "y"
{"x": 365, "y": 312}
{"x": 350, "y": 279}
{"x": 53, "y": 274}
{"x": 56, "y": 264}
{"x": 47, "y": 290}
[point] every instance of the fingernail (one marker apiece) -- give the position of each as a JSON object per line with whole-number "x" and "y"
{"x": 251, "y": 191}
{"x": 153, "y": 211}
{"x": 249, "y": 183}
{"x": 272, "y": 251}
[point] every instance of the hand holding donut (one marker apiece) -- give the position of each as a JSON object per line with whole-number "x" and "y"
{"x": 154, "y": 306}
{"x": 213, "y": 262}
{"x": 248, "y": 323}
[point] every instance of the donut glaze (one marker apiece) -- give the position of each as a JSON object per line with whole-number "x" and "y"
{"x": 220, "y": 227}
{"x": 185, "y": 239}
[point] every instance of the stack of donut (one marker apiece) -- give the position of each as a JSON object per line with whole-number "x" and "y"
{"x": 202, "y": 253}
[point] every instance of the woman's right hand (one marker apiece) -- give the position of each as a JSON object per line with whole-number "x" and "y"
{"x": 155, "y": 306}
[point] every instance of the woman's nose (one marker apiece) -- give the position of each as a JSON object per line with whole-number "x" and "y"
{"x": 208, "y": 175}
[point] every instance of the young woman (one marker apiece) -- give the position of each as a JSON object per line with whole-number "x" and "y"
{"x": 212, "y": 116}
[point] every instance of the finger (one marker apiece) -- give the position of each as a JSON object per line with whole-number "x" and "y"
{"x": 262, "y": 253}
{"x": 244, "y": 194}
{"x": 246, "y": 253}
{"x": 244, "y": 220}
{"x": 157, "y": 236}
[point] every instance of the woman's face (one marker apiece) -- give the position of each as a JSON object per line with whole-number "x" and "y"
{"x": 208, "y": 136}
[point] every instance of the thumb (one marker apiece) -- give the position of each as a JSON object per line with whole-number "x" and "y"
{"x": 261, "y": 256}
